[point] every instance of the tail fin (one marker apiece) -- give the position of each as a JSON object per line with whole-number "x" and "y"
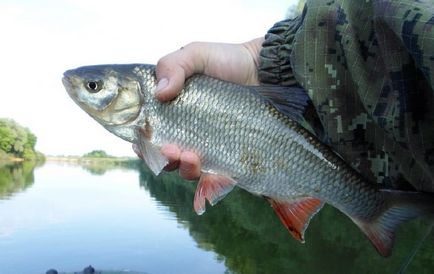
{"x": 399, "y": 207}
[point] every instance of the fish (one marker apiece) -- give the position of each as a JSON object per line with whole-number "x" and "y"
{"x": 251, "y": 137}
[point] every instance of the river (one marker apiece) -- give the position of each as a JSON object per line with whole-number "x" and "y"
{"x": 66, "y": 217}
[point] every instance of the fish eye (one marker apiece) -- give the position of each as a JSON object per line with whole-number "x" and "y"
{"x": 94, "y": 86}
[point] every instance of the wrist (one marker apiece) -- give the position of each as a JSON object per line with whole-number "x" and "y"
{"x": 254, "y": 47}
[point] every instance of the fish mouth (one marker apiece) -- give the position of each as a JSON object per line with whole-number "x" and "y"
{"x": 70, "y": 88}
{"x": 66, "y": 80}
{"x": 67, "y": 83}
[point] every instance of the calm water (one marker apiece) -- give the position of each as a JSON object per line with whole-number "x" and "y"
{"x": 67, "y": 217}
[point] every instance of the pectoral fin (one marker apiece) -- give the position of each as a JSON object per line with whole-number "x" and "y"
{"x": 149, "y": 152}
{"x": 212, "y": 187}
{"x": 296, "y": 214}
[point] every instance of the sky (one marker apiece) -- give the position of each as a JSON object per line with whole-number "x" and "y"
{"x": 42, "y": 39}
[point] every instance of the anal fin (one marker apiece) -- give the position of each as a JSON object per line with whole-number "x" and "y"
{"x": 296, "y": 214}
{"x": 212, "y": 187}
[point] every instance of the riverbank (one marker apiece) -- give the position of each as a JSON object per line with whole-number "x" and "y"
{"x": 7, "y": 159}
{"x": 96, "y": 165}
{"x": 11, "y": 160}
{"x": 80, "y": 159}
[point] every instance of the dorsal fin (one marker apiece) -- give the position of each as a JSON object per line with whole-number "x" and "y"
{"x": 213, "y": 187}
{"x": 291, "y": 101}
{"x": 296, "y": 214}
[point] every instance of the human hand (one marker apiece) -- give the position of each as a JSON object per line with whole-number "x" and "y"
{"x": 236, "y": 63}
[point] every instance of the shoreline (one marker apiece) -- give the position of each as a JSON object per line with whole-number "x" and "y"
{"x": 12, "y": 160}
{"x": 70, "y": 159}
{"x": 76, "y": 159}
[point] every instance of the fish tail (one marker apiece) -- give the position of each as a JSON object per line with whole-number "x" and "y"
{"x": 399, "y": 206}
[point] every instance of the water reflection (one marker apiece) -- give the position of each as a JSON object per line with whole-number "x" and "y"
{"x": 101, "y": 167}
{"x": 15, "y": 177}
{"x": 247, "y": 235}
{"x": 69, "y": 218}
{"x": 242, "y": 229}
{"x": 98, "y": 166}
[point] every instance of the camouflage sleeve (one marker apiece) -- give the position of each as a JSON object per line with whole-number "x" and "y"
{"x": 412, "y": 22}
{"x": 368, "y": 68}
{"x": 274, "y": 66}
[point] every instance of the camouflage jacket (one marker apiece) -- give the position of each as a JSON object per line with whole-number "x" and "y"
{"x": 368, "y": 67}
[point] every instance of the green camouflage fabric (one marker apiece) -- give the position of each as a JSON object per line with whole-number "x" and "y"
{"x": 368, "y": 67}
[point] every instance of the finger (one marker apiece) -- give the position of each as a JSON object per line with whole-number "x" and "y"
{"x": 189, "y": 165}
{"x": 173, "y": 69}
{"x": 172, "y": 153}
{"x": 170, "y": 83}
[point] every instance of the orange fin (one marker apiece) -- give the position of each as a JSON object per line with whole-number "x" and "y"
{"x": 213, "y": 187}
{"x": 296, "y": 214}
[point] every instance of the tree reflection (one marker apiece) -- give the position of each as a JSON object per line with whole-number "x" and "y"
{"x": 15, "y": 177}
{"x": 249, "y": 238}
{"x": 98, "y": 166}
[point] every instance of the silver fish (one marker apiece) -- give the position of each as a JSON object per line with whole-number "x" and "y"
{"x": 248, "y": 137}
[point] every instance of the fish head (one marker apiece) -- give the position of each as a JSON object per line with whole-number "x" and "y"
{"x": 111, "y": 94}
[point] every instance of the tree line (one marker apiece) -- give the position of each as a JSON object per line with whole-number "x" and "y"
{"x": 17, "y": 141}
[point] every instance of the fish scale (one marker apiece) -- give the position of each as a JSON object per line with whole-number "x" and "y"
{"x": 248, "y": 137}
{"x": 218, "y": 110}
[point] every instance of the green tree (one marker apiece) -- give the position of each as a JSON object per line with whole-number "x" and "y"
{"x": 7, "y": 136}
{"x": 97, "y": 154}
{"x": 17, "y": 141}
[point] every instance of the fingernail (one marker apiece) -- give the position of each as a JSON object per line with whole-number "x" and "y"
{"x": 162, "y": 84}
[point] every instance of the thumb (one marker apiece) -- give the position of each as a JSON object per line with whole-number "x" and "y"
{"x": 173, "y": 69}
{"x": 170, "y": 82}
